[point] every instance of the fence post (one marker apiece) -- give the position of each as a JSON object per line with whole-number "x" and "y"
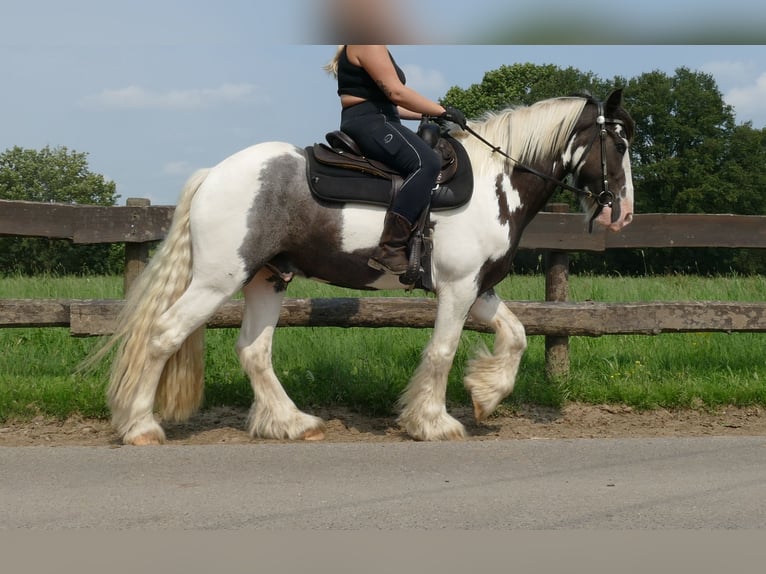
{"x": 136, "y": 254}
{"x": 556, "y": 289}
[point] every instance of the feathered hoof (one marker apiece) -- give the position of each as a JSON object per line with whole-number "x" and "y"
{"x": 145, "y": 437}
{"x": 444, "y": 427}
{"x": 313, "y": 434}
{"x": 485, "y": 400}
{"x": 478, "y": 412}
{"x": 482, "y": 411}
{"x": 295, "y": 425}
{"x": 144, "y": 440}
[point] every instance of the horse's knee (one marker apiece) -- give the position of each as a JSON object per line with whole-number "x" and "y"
{"x": 254, "y": 358}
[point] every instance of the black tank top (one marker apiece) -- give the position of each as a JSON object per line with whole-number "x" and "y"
{"x": 355, "y": 81}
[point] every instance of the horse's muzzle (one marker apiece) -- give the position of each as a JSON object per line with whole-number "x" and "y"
{"x": 615, "y": 219}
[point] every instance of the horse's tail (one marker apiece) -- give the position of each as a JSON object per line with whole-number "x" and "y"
{"x": 166, "y": 277}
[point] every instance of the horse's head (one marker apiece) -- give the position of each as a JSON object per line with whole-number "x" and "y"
{"x": 598, "y": 159}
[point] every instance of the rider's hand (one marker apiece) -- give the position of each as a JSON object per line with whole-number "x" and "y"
{"x": 455, "y": 116}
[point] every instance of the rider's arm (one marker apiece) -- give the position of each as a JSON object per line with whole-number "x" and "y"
{"x": 376, "y": 60}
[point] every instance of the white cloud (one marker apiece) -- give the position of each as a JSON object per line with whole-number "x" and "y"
{"x": 429, "y": 82}
{"x": 750, "y": 102}
{"x": 743, "y": 85}
{"x": 137, "y": 97}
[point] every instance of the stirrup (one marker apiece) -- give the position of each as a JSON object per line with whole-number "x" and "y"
{"x": 418, "y": 248}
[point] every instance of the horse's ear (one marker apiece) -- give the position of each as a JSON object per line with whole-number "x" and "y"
{"x": 614, "y": 100}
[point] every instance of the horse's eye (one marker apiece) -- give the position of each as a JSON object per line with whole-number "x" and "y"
{"x": 621, "y": 147}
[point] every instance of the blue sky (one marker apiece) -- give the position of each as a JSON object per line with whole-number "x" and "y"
{"x": 152, "y": 90}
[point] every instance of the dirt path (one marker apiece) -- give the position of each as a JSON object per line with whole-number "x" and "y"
{"x": 226, "y": 425}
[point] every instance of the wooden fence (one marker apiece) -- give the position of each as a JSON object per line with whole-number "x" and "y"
{"x": 138, "y": 224}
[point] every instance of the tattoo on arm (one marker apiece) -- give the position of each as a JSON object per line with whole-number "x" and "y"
{"x": 386, "y": 91}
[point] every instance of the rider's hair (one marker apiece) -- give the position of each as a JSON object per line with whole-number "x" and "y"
{"x": 331, "y": 67}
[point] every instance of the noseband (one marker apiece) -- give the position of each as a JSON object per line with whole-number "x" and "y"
{"x": 604, "y": 198}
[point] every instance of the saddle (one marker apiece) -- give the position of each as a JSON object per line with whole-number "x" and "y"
{"x": 339, "y": 172}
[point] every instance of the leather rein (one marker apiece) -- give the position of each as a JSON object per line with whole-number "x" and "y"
{"x": 605, "y": 197}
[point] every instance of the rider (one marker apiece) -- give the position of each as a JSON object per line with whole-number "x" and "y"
{"x": 374, "y": 99}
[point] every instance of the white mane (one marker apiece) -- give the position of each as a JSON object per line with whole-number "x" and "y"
{"x": 526, "y": 133}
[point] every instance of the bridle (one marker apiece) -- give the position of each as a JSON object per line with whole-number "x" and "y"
{"x": 605, "y": 198}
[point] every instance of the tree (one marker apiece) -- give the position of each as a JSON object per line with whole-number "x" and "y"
{"x": 52, "y": 175}
{"x": 684, "y": 128}
{"x": 521, "y": 84}
{"x": 61, "y": 176}
{"x": 689, "y": 156}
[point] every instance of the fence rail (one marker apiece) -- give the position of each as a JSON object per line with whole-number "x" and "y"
{"x": 138, "y": 224}
{"x": 89, "y": 317}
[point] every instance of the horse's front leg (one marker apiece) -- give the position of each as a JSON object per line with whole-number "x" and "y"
{"x": 490, "y": 376}
{"x": 423, "y": 404}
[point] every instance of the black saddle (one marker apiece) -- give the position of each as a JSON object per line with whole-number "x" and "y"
{"x": 339, "y": 172}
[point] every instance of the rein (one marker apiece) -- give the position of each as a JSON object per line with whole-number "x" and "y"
{"x": 604, "y": 198}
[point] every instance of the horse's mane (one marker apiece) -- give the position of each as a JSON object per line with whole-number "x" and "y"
{"x": 529, "y": 133}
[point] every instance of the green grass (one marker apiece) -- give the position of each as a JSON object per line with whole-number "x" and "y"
{"x": 366, "y": 369}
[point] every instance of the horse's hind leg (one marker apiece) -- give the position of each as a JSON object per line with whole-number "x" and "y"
{"x": 273, "y": 414}
{"x": 490, "y": 376}
{"x": 132, "y": 412}
{"x": 423, "y": 404}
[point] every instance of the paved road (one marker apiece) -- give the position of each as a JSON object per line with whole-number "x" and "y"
{"x": 687, "y": 483}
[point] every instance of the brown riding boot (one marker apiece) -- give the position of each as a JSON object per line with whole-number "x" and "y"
{"x": 391, "y": 253}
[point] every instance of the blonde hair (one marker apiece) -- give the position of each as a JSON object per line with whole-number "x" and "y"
{"x": 331, "y": 67}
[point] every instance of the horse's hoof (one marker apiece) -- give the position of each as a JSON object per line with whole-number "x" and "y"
{"x": 145, "y": 431}
{"x": 313, "y": 434}
{"x": 478, "y": 412}
{"x": 443, "y": 428}
{"x": 452, "y": 435}
{"x": 145, "y": 440}
{"x": 456, "y": 435}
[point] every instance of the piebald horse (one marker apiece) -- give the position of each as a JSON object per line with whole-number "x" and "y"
{"x": 244, "y": 223}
